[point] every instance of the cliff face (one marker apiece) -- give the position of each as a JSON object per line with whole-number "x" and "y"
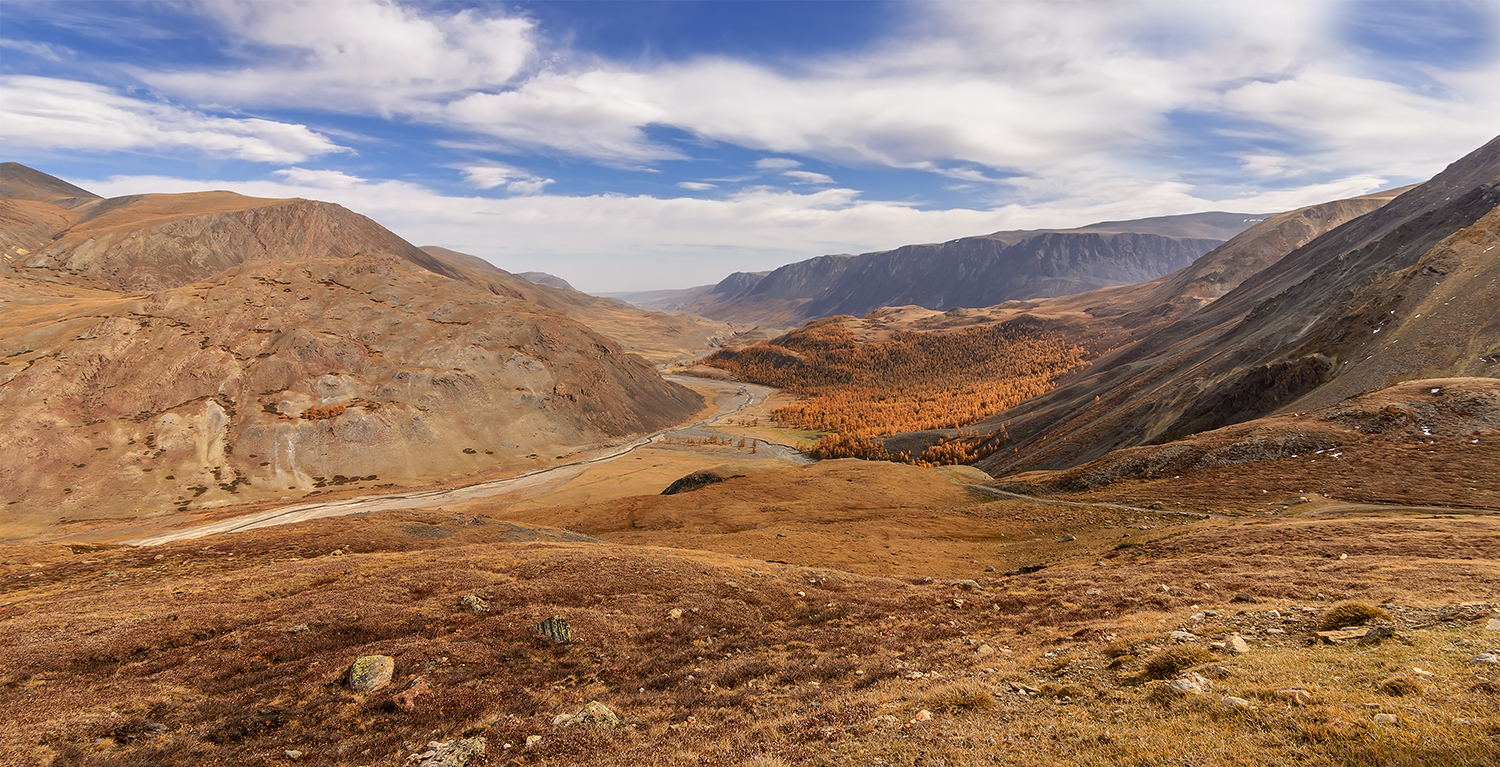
{"x": 320, "y": 351}
{"x": 972, "y": 271}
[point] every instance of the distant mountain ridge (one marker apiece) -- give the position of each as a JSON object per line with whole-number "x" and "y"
{"x": 966, "y": 272}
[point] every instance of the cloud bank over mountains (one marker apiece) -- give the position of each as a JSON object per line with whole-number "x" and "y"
{"x": 958, "y": 118}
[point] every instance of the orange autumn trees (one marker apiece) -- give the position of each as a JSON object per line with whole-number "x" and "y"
{"x": 915, "y": 381}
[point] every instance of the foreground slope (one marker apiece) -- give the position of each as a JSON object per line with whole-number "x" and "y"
{"x": 1407, "y": 291}
{"x": 235, "y": 650}
{"x": 318, "y": 350}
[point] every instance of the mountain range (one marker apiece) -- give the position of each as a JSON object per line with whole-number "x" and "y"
{"x": 1404, "y": 292}
{"x": 966, "y": 272}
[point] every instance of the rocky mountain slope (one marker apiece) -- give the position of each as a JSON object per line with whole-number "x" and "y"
{"x": 970, "y": 271}
{"x": 166, "y": 351}
{"x": 659, "y": 337}
{"x": 1407, "y": 291}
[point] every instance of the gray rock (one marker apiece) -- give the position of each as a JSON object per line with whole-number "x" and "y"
{"x": 969, "y": 585}
{"x": 292, "y": 754}
{"x": 1188, "y": 685}
{"x": 1486, "y": 658}
{"x": 1238, "y": 645}
{"x": 1233, "y": 702}
{"x": 595, "y": 714}
{"x": 1184, "y": 636}
{"x": 1387, "y": 719}
{"x": 475, "y": 604}
{"x": 554, "y": 630}
{"x": 371, "y": 672}
{"x": 453, "y": 753}
{"x": 1493, "y": 625}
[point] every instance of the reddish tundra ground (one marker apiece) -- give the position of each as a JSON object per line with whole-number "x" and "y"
{"x": 972, "y": 631}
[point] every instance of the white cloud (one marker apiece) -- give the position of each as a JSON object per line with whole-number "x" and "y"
{"x": 696, "y": 186}
{"x": 357, "y": 55}
{"x": 319, "y": 179}
{"x": 776, "y": 163}
{"x": 592, "y": 115}
{"x": 515, "y": 180}
{"x": 808, "y": 177}
{"x": 46, "y": 51}
{"x": 65, "y": 114}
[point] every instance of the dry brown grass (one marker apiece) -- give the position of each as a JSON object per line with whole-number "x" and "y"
{"x": 1173, "y": 660}
{"x": 103, "y": 647}
{"x": 1352, "y": 614}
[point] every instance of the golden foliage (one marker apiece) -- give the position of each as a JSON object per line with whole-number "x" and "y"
{"x": 913, "y": 382}
{"x": 317, "y": 413}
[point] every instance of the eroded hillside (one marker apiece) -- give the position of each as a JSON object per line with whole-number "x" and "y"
{"x": 167, "y": 352}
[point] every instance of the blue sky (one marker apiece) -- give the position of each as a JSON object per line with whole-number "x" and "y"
{"x": 641, "y": 145}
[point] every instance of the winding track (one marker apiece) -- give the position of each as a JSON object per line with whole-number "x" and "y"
{"x": 744, "y": 395}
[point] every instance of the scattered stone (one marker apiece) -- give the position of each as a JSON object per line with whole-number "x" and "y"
{"x": 554, "y": 630}
{"x": 453, "y": 753}
{"x": 1274, "y": 630}
{"x": 1220, "y": 672}
{"x": 1093, "y": 592}
{"x": 1192, "y": 684}
{"x": 533, "y": 740}
{"x": 595, "y": 714}
{"x": 1183, "y": 636}
{"x": 674, "y": 614}
{"x": 1485, "y": 658}
{"x": 371, "y": 672}
{"x": 1211, "y": 613}
{"x": 475, "y": 604}
{"x": 1068, "y": 538}
{"x": 883, "y": 721}
{"x": 1164, "y": 588}
{"x": 1424, "y": 673}
{"x": 298, "y": 629}
{"x": 958, "y": 604}
{"x": 1242, "y": 597}
{"x": 922, "y": 716}
{"x": 1348, "y": 635}
{"x": 292, "y": 754}
{"x": 1296, "y": 695}
{"x": 969, "y": 585}
{"x": 1024, "y": 689}
{"x": 1493, "y": 625}
{"x": 1387, "y": 719}
{"x": 1237, "y": 645}
{"x": 1377, "y": 634}
{"x": 406, "y": 700}
{"x": 985, "y": 650}
{"x": 1233, "y": 702}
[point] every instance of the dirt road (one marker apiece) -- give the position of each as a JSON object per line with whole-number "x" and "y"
{"x": 732, "y": 398}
